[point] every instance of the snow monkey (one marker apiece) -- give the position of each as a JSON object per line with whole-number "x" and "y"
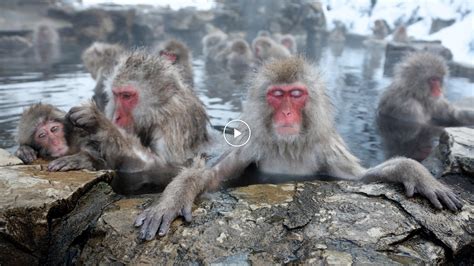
{"x": 100, "y": 60}
{"x": 293, "y": 133}
{"x": 45, "y": 132}
{"x": 415, "y": 102}
{"x": 153, "y": 120}
{"x": 180, "y": 55}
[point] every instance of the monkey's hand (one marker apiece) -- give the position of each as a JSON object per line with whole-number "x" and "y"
{"x": 160, "y": 215}
{"x": 436, "y": 192}
{"x": 87, "y": 116}
{"x": 176, "y": 200}
{"x": 416, "y": 179}
{"x": 72, "y": 162}
{"x": 26, "y": 154}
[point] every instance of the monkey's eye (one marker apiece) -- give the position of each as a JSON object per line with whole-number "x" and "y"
{"x": 54, "y": 129}
{"x": 277, "y": 93}
{"x": 434, "y": 79}
{"x": 42, "y": 135}
{"x": 296, "y": 93}
{"x": 126, "y": 96}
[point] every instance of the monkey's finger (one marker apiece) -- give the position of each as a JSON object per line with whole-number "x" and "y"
{"x": 446, "y": 200}
{"x": 409, "y": 189}
{"x": 153, "y": 226}
{"x": 457, "y": 201}
{"x": 141, "y": 217}
{"x": 433, "y": 199}
{"x": 165, "y": 225}
{"x": 143, "y": 231}
{"x": 187, "y": 213}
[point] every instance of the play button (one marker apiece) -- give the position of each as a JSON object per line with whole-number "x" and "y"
{"x": 240, "y": 133}
{"x": 237, "y": 133}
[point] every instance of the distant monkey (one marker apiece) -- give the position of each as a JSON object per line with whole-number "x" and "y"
{"x": 100, "y": 60}
{"x": 293, "y": 133}
{"x": 265, "y": 48}
{"x": 415, "y": 99}
{"x": 45, "y": 132}
{"x": 240, "y": 58}
{"x": 46, "y": 44}
{"x": 213, "y": 44}
{"x": 289, "y": 42}
{"x": 400, "y": 34}
{"x": 380, "y": 29}
{"x": 180, "y": 55}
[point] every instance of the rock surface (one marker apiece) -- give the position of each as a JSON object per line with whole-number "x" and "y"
{"x": 74, "y": 217}
{"x": 7, "y": 159}
{"x": 42, "y": 213}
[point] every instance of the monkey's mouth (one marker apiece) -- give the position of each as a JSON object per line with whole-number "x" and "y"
{"x": 436, "y": 92}
{"x": 58, "y": 152}
{"x": 287, "y": 129}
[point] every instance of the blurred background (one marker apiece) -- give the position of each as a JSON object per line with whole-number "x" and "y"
{"x": 354, "y": 43}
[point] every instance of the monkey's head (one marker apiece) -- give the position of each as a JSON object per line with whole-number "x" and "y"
{"x": 101, "y": 56}
{"x": 288, "y": 41}
{"x": 175, "y": 51}
{"x": 42, "y": 127}
{"x": 139, "y": 87}
{"x": 289, "y": 101}
{"x": 422, "y": 75}
{"x": 240, "y": 46}
{"x": 262, "y": 46}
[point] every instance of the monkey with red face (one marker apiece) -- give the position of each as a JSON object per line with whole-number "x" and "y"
{"x": 293, "y": 133}
{"x": 153, "y": 121}
{"x": 180, "y": 55}
{"x": 45, "y": 132}
{"x": 412, "y": 111}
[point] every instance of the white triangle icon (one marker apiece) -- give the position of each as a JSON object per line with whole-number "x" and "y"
{"x": 237, "y": 133}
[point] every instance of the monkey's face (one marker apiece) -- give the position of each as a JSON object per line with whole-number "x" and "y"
{"x": 435, "y": 86}
{"x": 169, "y": 55}
{"x": 287, "y": 102}
{"x": 50, "y": 137}
{"x": 126, "y": 100}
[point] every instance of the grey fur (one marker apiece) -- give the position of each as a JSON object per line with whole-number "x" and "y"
{"x": 407, "y": 102}
{"x": 82, "y": 153}
{"x": 265, "y": 49}
{"x": 183, "y": 60}
{"x": 169, "y": 121}
{"x": 318, "y": 149}
{"x": 100, "y": 60}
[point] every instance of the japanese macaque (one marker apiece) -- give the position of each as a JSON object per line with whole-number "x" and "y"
{"x": 100, "y": 60}
{"x": 213, "y": 44}
{"x": 400, "y": 34}
{"x": 264, "y": 48}
{"x": 44, "y": 132}
{"x": 415, "y": 99}
{"x": 289, "y": 42}
{"x": 293, "y": 133}
{"x": 46, "y": 44}
{"x": 180, "y": 55}
{"x": 240, "y": 58}
{"x": 380, "y": 29}
{"x": 153, "y": 121}
{"x": 337, "y": 38}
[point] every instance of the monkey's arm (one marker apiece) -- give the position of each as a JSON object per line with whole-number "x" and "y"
{"x": 178, "y": 197}
{"x": 26, "y": 153}
{"x": 120, "y": 150}
{"x": 413, "y": 175}
{"x": 447, "y": 115}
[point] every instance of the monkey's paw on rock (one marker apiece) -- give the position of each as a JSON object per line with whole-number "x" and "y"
{"x": 73, "y": 216}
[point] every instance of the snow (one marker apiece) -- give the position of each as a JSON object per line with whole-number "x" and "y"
{"x": 459, "y": 37}
{"x": 358, "y": 16}
{"x": 173, "y": 4}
